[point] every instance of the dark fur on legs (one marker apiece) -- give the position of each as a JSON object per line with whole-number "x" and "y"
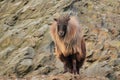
{"x": 71, "y": 64}
{"x": 67, "y": 63}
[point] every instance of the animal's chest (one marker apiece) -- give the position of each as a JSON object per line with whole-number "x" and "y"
{"x": 66, "y": 48}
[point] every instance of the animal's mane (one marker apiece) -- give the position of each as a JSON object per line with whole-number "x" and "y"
{"x": 73, "y": 35}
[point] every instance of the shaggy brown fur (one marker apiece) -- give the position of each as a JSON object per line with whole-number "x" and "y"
{"x": 70, "y": 49}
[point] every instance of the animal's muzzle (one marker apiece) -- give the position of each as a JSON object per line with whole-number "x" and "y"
{"x": 61, "y": 33}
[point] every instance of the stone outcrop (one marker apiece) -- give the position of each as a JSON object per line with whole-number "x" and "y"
{"x": 26, "y": 48}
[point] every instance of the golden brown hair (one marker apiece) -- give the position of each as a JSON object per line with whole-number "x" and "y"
{"x": 73, "y": 42}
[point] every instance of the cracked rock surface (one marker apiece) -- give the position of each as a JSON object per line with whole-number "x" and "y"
{"x": 26, "y": 48}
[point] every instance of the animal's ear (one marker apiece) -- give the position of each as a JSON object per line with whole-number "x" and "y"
{"x": 55, "y": 19}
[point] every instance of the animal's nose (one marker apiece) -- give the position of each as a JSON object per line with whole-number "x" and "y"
{"x": 61, "y": 33}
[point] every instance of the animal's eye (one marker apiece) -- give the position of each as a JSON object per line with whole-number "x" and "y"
{"x": 64, "y": 26}
{"x": 58, "y": 27}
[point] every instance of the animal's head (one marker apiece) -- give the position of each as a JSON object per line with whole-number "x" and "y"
{"x": 62, "y": 25}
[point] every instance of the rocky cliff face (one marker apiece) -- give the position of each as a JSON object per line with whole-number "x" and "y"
{"x": 25, "y": 43}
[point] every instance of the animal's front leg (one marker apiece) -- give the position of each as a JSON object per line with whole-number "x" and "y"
{"x": 78, "y": 67}
{"x": 65, "y": 62}
{"x": 74, "y": 65}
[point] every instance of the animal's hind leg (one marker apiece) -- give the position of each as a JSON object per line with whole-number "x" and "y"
{"x": 78, "y": 67}
{"x": 74, "y": 65}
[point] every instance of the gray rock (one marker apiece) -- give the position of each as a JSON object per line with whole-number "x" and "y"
{"x": 26, "y": 23}
{"x": 117, "y": 74}
{"x": 59, "y": 65}
{"x": 11, "y": 21}
{"x": 4, "y": 54}
{"x": 90, "y": 54}
{"x": 45, "y": 70}
{"x": 17, "y": 58}
{"x": 98, "y": 69}
{"x": 92, "y": 57}
{"x": 41, "y": 31}
{"x": 104, "y": 56}
{"x": 23, "y": 67}
{"x": 117, "y": 62}
{"x": 28, "y": 52}
{"x": 43, "y": 60}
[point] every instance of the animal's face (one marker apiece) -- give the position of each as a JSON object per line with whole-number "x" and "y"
{"x": 62, "y": 27}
